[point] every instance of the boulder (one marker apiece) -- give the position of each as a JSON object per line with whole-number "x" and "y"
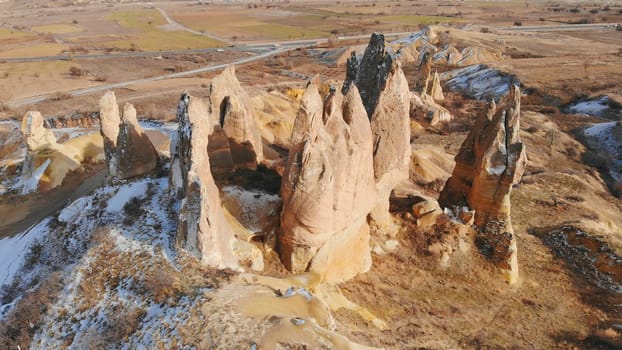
{"x": 490, "y": 161}
{"x": 328, "y": 187}
{"x": 233, "y": 113}
{"x": 424, "y": 109}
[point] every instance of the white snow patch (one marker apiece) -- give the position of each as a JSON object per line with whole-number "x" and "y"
{"x": 592, "y": 107}
{"x": 601, "y": 137}
{"x": 125, "y": 193}
{"x": 478, "y": 81}
{"x": 72, "y": 211}
{"x": 13, "y": 250}
{"x": 254, "y": 205}
{"x": 30, "y": 184}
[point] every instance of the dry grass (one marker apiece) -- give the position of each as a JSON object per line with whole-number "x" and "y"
{"x": 21, "y": 325}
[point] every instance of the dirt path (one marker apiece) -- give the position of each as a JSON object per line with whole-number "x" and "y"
{"x": 18, "y": 216}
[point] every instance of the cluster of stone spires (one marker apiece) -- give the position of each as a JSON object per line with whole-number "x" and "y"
{"x": 349, "y": 150}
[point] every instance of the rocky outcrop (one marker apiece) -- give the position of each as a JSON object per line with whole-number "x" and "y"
{"x": 127, "y": 148}
{"x": 436, "y": 91}
{"x": 79, "y": 120}
{"x": 135, "y": 154}
{"x": 47, "y": 161}
{"x": 425, "y": 110}
{"x": 204, "y": 228}
{"x": 491, "y": 160}
{"x": 385, "y": 93}
{"x": 371, "y": 74}
{"x": 109, "y": 123}
{"x": 328, "y": 187}
{"x": 232, "y": 112}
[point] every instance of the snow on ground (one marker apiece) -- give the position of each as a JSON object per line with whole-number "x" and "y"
{"x": 596, "y": 107}
{"x": 71, "y": 133}
{"x": 167, "y": 127}
{"x": 252, "y": 206}
{"x": 30, "y": 184}
{"x": 125, "y": 193}
{"x": 13, "y": 250}
{"x": 602, "y": 137}
{"x": 478, "y": 81}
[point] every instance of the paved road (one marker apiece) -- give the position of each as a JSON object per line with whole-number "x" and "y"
{"x": 560, "y": 28}
{"x": 92, "y": 90}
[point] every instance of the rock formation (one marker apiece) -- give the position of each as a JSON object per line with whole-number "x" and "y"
{"x": 436, "y": 91}
{"x": 385, "y": 93}
{"x": 204, "y": 228}
{"x": 328, "y": 187}
{"x": 109, "y": 120}
{"x": 490, "y": 161}
{"x": 371, "y": 74}
{"x": 424, "y": 109}
{"x": 127, "y": 148}
{"x": 233, "y": 113}
{"x": 78, "y": 120}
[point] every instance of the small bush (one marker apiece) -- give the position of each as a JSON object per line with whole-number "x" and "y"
{"x": 76, "y": 72}
{"x": 485, "y": 30}
{"x": 518, "y": 23}
{"x": 594, "y": 11}
{"x": 100, "y": 78}
{"x": 60, "y": 96}
{"x": 133, "y": 210}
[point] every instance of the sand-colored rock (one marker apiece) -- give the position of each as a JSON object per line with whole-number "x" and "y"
{"x": 424, "y": 109}
{"x": 203, "y": 229}
{"x": 491, "y": 160}
{"x": 47, "y": 161}
{"x": 135, "y": 154}
{"x": 386, "y": 96}
{"x": 328, "y": 187}
{"x": 232, "y": 110}
{"x": 390, "y": 125}
{"x": 77, "y": 120}
{"x": 131, "y": 153}
{"x": 109, "y": 123}
{"x": 430, "y": 164}
{"x": 436, "y": 91}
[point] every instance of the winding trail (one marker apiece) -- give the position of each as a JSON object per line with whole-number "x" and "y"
{"x": 174, "y": 25}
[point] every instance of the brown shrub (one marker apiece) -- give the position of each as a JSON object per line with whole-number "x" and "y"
{"x": 60, "y": 96}
{"x": 76, "y": 72}
{"x": 121, "y": 323}
{"x": 23, "y": 322}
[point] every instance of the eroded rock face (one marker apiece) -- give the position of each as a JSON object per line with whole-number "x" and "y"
{"x": 47, "y": 162}
{"x": 436, "y": 91}
{"x": 109, "y": 122}
{"x": 490, "y": 161}
{"x": 202, "y": 228}
{"x": 386, "y": 96}
{"x": 233, "y": 113}
{"x": 328, "y": 187}
{"x": 127, "y": 148}
{"x": 425, "y": 110}
{"x": 78, "y": 120}
{"x": 371, "y": 74}
{"x": 135, "y": 154}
